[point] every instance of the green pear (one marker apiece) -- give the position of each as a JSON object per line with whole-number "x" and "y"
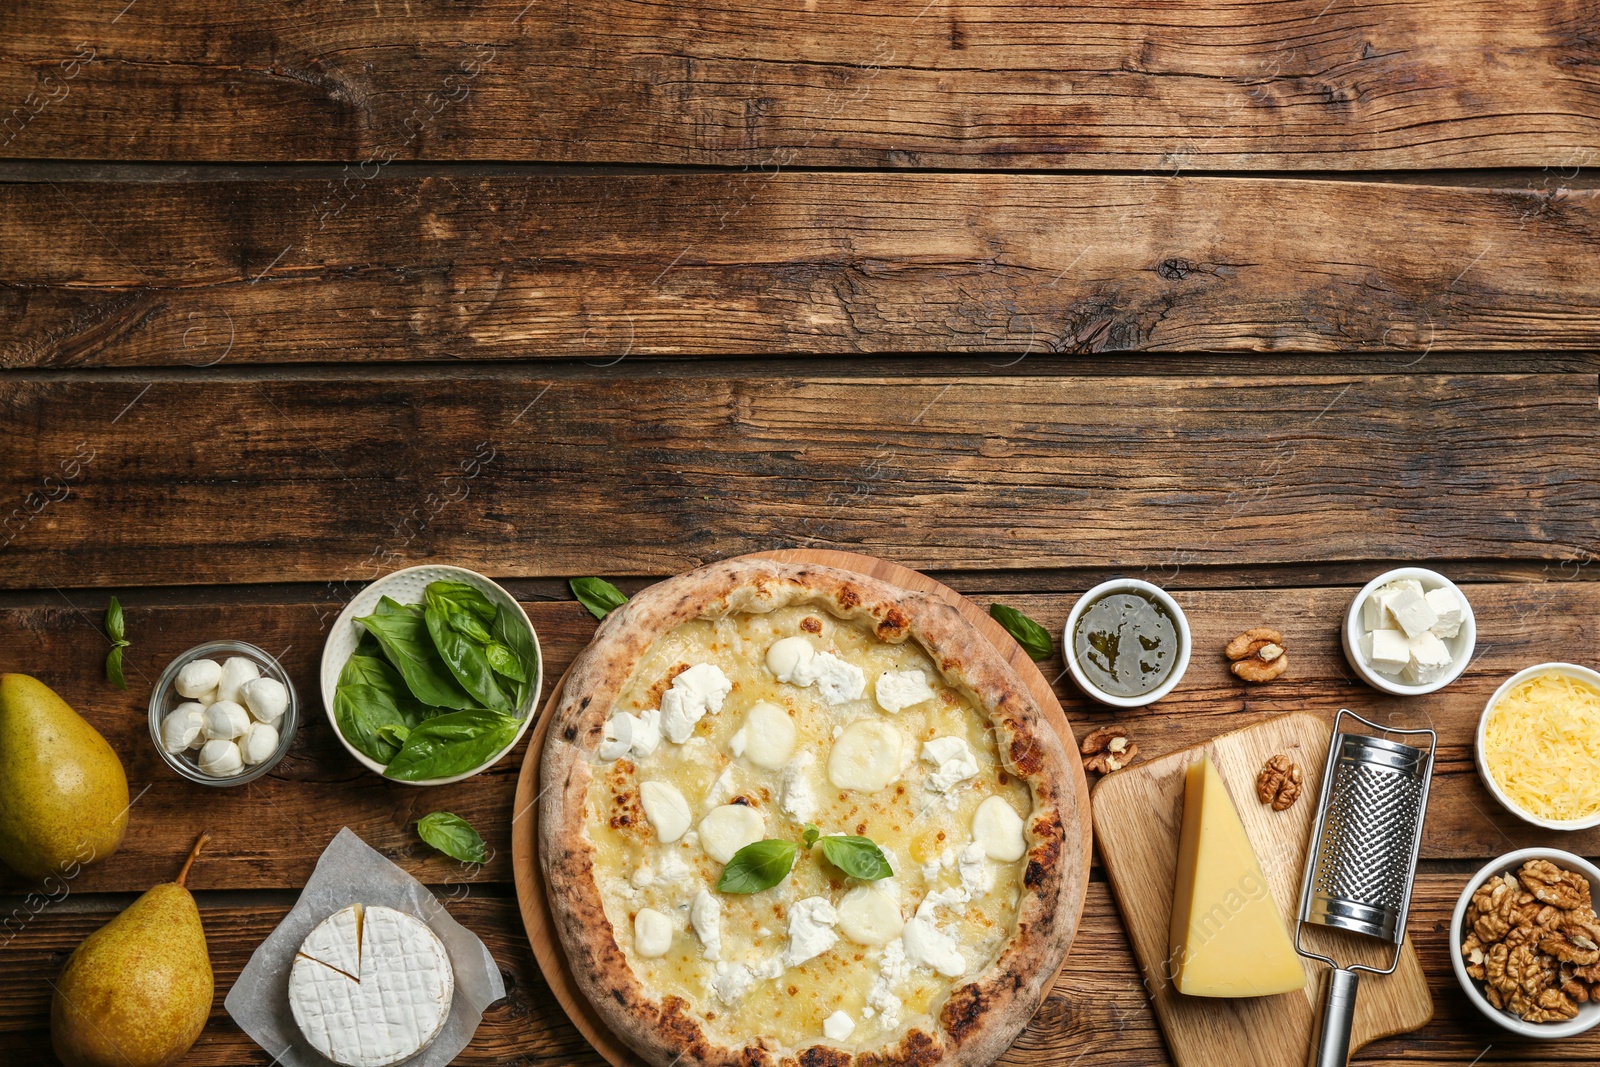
{"x": 63, "y": 793}
{"x": 138, "y": 991}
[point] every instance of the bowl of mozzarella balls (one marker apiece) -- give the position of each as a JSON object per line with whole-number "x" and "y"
{"x": 223, "y": 713}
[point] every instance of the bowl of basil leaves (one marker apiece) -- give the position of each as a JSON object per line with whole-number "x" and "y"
{"x": 431, "y": 674}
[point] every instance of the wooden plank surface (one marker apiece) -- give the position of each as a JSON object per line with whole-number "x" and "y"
{"x": 234, "y": 478}
{"x": 607, "y": 267}
{"x": 268, "y": 834}
{"x": 1099, "y": 1011}
{"x": 1264, "y": 84}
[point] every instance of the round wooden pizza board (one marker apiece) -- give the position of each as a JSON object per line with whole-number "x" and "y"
{"x": 524, "y": 837}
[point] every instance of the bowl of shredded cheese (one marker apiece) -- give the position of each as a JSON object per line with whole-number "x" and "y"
{"x": 1539, "y": 746}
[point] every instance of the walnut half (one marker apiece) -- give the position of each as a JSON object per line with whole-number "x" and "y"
{"x": 1258, "y": 655}
{"x": 1108, "y": 749}
{"x": 1279, "y": 783}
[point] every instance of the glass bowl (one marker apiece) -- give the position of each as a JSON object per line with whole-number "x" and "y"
{"x": 164, "y": 698}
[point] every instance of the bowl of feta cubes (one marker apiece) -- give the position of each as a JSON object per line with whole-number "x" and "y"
{"x": 223, "y": 713}
{"x": 1409, "y": 631}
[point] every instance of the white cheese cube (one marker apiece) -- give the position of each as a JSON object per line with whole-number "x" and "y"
{"x": 899, "y": 690}
{"x": 1430, "y": 658}
{"x": 811, "y": 933}
{"x": 1411, "y": 612}
{"x": 1375, "y": 613}
{"x": 1386, "y": 651}
{"x": 1447, "y": 605}
{"x": 838, "y": 1026}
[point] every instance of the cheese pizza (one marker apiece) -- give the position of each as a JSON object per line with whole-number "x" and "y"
{"x": 794, "y": 815}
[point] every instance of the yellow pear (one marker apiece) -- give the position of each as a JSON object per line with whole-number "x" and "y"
{"x": 63, "y": 793}
{"x": 138, "y": 991}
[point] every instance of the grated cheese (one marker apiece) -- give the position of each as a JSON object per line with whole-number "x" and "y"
{"x": 1542, "y": 745}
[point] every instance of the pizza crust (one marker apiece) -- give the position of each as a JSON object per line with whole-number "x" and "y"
{"x": 981, "y": 1016}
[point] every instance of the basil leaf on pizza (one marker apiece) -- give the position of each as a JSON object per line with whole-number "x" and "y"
{"x": 858, "y": 857}
{"x": 810, "y": 834}
{"x": 757, "y": 866}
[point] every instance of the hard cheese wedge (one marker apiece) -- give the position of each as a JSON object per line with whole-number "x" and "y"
{"x": 1227, "y": 938}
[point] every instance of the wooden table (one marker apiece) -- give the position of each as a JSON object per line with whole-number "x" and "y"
{"x": 1251, "y": 299}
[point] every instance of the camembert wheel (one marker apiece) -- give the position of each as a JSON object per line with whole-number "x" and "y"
{"x": 792, "y": 815}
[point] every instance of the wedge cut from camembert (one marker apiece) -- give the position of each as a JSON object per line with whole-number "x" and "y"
{"x": 1227, "y": 938}
{"x": 371, "y": 986}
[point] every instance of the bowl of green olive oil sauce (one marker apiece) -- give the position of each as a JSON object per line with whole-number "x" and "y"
{"x": 1126, "y": 643}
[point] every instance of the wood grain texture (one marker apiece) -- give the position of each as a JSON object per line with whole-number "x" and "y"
{"x": 1138, "y": 816}
{"x": 531, "y": 896}
{"x": 1099, "y": 1010}
{"x": 607, "y": 267}
{"x": 268, "y": 835}
{"x": 244, "y": 479}
{"x": 1258, "y": 84}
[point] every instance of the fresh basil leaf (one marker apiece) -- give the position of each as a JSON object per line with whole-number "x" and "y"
{"x": 1034, "y": 639}
{"x": 858, "y": 857}
{"x": 759, "y": 865}
{"x": 598, "y": 595}
{"x": 408, "y": 646}
{"x": 454, "y": 836}
{"x": 371, "y": 696}
{"x": 504, "y": 661}
{"x": 466, "y": 661}
{"x": 395, "y": 735}
{"x": 114, "y": 665}
{"x": 467, "y": 625}
{"x": 511, "y": 629}
{"x": 452, "y": 744}
{"x": 114, "y": 621}
{"x": 810, "y": 835}
{"x": 388, "y": 606}
{"x": 460, "y": 597}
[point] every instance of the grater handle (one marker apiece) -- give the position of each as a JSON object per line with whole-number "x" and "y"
{"x": 1331, "y": 1045}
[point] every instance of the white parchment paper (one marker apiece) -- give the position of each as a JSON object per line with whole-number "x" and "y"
{"x": 352, "y": 872}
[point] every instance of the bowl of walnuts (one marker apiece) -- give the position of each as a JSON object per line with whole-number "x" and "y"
{"x": 1528, "y": 943}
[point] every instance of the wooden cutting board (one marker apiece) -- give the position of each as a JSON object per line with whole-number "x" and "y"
{"x": 524, "y": 832}
{"x": 1137, "y": 815}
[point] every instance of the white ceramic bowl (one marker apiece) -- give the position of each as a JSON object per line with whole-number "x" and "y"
{"x": 1180, "y": 621}
{"x": 1571, "y": 670}
{"x": 406, "y": 586}
{"x": 1588, "y": 1014}
{"x": 1460, "y": 646}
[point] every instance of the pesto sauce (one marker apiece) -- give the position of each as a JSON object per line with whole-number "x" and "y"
{"x": 1126, "y": 643}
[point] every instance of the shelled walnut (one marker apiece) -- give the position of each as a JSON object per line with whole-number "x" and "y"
{"x": 1534, "y": 941}
{"x": 1108, "y": 749}
{"x": 1279, "y": 783}
{"x": 1258, "y": 655}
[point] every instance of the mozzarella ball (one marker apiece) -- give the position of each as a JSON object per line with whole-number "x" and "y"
{"x": 652, "y": 934}
{"x": 725, "y": 830}
{"x": 267, "y": 699}
{"x": 236, "y": 670}
{"x": 665, "y": 809}
{"x": 221, "y": 759}
{"x": 181, "y": 728}
{"x": 260, "y": 742}
{"x": 225, "y": 720}
{"x": 998, "y": 828}
{"x": 198, "y": 678}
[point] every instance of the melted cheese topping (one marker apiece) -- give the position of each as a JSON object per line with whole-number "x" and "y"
{"x": 1542, "y": 745}
{"x": 959, "y": 905}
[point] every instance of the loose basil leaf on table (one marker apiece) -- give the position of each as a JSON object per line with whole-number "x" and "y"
{"x": 454, "y": 836}
{"x": 452, "y": 744}
{"x": 757, "y": 866}
{"x": 858, "y": 857}
{"x": 466, "y": 661}
{"x": 510, "y": 631}
{"x": 1034, "y": 639}
{"x": 119, "y": 641}
{"x": 370, "y": 696}
{"x": 407, "y": 644}
{"x": 598, "y": 595}
{"x": 459, "y": 596}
